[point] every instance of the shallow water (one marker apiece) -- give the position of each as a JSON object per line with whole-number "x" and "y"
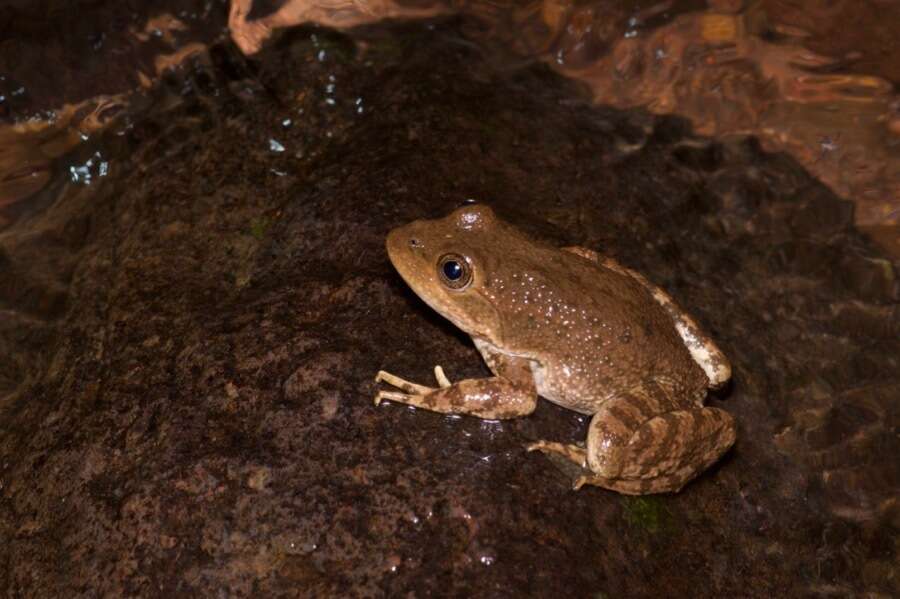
{"x": 194, "y": 297}
{"x": 816, "y": 79}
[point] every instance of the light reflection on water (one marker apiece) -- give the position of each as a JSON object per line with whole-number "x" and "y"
{"x": 796, "y": 78}
{"x": 791, "y": 75}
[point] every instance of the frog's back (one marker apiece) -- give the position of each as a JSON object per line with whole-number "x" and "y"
{"x": 592, "y": 332}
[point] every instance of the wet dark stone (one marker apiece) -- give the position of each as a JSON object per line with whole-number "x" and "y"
{"x": 822, "y": 214}
{"x": 669, "y": 130}
{"x": 705, "y": 157}
{"x": 871, "y": 278}
{"x": 866, "y": 321}
{"x": 804, "y": 257}
{"x": 196, "y": 418}
{"x": 68, "y": 52}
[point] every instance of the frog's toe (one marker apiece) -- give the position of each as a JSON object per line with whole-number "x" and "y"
{"x": 394, "y": 396}
{"x": 402, "y": 384}
{"x": 580, "y": 482}
{"x": 537, "y": 446}
{"x": 606, "y": 483}
{"x": 442, "y": 379}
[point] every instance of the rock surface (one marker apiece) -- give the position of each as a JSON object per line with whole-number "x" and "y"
{"x": 187, "y": 351}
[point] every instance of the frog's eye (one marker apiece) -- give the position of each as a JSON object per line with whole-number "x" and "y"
{"x": 454, "y": 271}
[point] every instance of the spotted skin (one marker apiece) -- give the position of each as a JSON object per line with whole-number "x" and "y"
{"x": 578, "y": 329}
{"x": 703, "y": 350}
{"x": 630, "y": 444}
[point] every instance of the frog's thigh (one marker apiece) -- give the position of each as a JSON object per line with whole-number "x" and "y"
{"x": 638, "y": 444}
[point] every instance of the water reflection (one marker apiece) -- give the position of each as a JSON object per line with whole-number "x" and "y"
{"x": 788, "y": 75}
{"x": 794, "y": 75}
{"x": 67, "y": 73}
{"x": 740, "y": 73}
{"x": 84, "y": 173}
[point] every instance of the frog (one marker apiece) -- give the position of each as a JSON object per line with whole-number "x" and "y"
{"x": 577, "y": 328}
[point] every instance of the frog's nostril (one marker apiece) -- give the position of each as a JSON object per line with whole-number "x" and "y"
{"x": 413, "y": 242}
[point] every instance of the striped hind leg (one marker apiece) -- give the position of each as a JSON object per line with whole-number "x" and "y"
{"x": 648, "y": 441}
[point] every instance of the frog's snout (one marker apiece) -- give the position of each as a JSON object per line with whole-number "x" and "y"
{"x": 405, "y": 239}
{"x": 404, "y": 247}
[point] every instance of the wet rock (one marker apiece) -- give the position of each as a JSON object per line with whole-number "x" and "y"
{"x": 804, "y": 257}
{"x": 866, "y": 321}
{"x": 196, "y": 418}
{"x": 700, "y": 156}
{"x": 841, "y": 436}
{"x": 822, "y": 214}
{"x": 872, "y": 278}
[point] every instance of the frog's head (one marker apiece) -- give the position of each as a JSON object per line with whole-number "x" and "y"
{"x": 448, "y": 263}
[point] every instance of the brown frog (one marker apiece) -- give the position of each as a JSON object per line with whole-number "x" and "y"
{"x": 578, "y": 329}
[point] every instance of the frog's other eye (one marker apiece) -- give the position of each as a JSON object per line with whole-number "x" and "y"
{"x": 454, "y": 271}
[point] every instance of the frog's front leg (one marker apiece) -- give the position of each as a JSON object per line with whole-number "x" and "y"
{"x": 494, "y": 398}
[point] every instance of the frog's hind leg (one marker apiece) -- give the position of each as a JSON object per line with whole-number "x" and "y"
{"x": 648, "y": 442}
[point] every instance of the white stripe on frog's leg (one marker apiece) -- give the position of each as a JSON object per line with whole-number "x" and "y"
{"x": 704, "y": 352}
{"x": 586, "y": 253}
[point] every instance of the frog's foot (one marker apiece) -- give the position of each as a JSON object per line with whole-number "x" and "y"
{"x": 572, "y": 453}
{"x": 411, "y": 391}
